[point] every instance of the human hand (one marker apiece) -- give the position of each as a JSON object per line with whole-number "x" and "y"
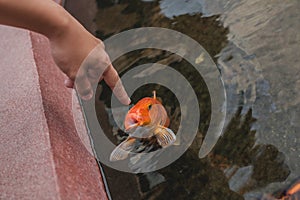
{"x": 76, "y": 52}
{"x": 83, "y": 59}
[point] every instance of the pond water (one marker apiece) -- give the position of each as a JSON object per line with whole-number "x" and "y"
{"x": 256, "y": 46}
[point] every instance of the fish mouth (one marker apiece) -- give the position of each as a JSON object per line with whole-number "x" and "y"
{"x": 131, "y": 122}
{"x": 131, "y": 126}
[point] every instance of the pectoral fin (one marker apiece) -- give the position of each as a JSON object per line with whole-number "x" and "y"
{"x": 177, "y": 142}
{"x": 122, "y": 150}
{"x": 165, "y": 137}
{"x": 158, "y": 115}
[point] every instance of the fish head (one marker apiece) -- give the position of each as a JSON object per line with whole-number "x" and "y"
{"x": 147, "y": 111}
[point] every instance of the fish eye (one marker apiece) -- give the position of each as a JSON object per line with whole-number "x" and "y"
{"x": 150, "y": 106}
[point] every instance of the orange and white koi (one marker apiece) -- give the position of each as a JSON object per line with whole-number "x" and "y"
{"x": 145, "y": 119}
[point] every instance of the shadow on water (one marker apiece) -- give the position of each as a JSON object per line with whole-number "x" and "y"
{"x": 237, "y": 164}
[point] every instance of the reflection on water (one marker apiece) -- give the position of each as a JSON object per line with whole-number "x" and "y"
{"x": 254, "y": 44}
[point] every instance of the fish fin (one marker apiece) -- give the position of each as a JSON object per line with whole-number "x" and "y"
{"x": 165, "y": 136}
{"x": 158, "y": 115}
{"x": 122, "y": 150}
{"x": 154, "y": 94}
{"x": 177, "y": 142}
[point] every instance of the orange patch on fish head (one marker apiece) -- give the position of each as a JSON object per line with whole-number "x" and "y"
{"x": 138, "y": 115}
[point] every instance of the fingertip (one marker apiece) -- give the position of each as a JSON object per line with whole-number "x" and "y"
{"x": 88, "y": 96}
{"x": 121, "y": 94}
{"x": 84, "y": 91}
{"x": 126, "y": 101}
{"x": 69, "y": 83}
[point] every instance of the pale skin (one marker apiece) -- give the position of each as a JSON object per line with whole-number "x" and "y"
{"x": 70, "y": 44}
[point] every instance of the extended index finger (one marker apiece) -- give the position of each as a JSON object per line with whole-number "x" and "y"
{"x": 113, "y": 80}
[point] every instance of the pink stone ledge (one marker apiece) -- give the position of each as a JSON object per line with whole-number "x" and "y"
{"x": 41, "y": 155}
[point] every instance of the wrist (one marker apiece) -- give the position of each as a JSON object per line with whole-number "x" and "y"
{"x": 61, "y": 23}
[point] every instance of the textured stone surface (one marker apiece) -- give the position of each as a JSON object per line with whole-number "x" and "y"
{"x": 26, "y": 165}
{"x": 41, "y": 155}
{"x": 77, "y": 170}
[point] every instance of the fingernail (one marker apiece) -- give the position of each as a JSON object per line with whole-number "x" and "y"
{"x": 128, "y": 101}
{"x": 125, "y": 101}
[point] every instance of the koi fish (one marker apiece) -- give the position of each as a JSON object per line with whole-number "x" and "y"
{"x": 146, "y": 119}
{"x": 293, "y": 192}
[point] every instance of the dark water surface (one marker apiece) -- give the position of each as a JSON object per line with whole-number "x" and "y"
{"x": 256, "y": 46}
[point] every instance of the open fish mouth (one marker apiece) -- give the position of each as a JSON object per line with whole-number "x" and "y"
{"x": 131, "y": 126}
{"x": 131, "y": 122}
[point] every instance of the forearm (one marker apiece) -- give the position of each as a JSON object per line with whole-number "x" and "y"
{"x": 42, "y": 16}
